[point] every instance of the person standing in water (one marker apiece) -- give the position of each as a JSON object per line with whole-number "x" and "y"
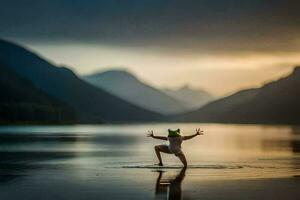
{"x": 175, "y": 140}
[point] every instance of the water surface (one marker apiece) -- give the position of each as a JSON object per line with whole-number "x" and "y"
{"x": 115, "y": 161}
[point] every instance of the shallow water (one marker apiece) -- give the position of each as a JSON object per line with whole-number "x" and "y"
{"x": 89, "y": 161}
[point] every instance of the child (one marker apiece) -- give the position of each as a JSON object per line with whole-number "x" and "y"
{"x": 174, "y": 147}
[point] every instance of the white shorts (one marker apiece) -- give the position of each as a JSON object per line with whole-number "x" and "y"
{"x": 166, "y": 149}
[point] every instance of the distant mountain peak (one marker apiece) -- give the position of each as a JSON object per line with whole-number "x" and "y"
{"x": 117, "y": 71}
{"x": 296, "y": 70}
{"x": 127, "y": 86}
{"x": 188, "y": 88}
{"x": 121, "y": 74}
{"x": 191, "y": 97}
{"x": 185, "y": 87}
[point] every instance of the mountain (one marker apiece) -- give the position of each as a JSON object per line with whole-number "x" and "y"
{"x": 277, "y": 102}
{"x": 126, "y": 86}
{"x": 21, "y": 102}
{"x": 191, "y": 98}
{"x": 91, "y": 104}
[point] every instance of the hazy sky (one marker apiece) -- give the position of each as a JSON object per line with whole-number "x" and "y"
{"x": 221, "y": 46}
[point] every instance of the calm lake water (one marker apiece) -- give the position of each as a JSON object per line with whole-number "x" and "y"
{"x": 114, "y": 161}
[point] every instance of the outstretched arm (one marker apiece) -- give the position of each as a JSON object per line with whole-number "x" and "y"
{"x": 150, "y": 134}
{"x": 198, "y": 132}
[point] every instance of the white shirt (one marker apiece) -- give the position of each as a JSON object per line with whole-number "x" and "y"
{"x": 175, "y": 144}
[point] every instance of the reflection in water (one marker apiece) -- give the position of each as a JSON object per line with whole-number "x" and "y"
{"x": 13, "y": 138}
{"x": 16, "y": 165}
{"x": 287, "y": 144}
{"x": 26, "y": 151}
{"x": 295, "y": 144}
{"x": 169, "y": 188}
{"x": 23, "y": 154}
{"x": 292, "y": 145}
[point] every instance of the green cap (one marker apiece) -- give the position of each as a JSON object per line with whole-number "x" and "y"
{"x": 175, "y": 133}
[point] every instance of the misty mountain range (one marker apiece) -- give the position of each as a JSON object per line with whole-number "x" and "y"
{"x": 191, "y": 98}
{"x": 128, "y": 87}
{"x": 91, "y": 104}
{"x": 277, "y": 102}
{"x": 36, "y": 91}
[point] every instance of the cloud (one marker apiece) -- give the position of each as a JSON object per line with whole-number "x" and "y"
{"x": 190, "y": 25}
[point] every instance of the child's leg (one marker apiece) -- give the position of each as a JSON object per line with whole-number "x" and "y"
{"x": 182, "y": 158}
{"x": 161, "y": 148}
